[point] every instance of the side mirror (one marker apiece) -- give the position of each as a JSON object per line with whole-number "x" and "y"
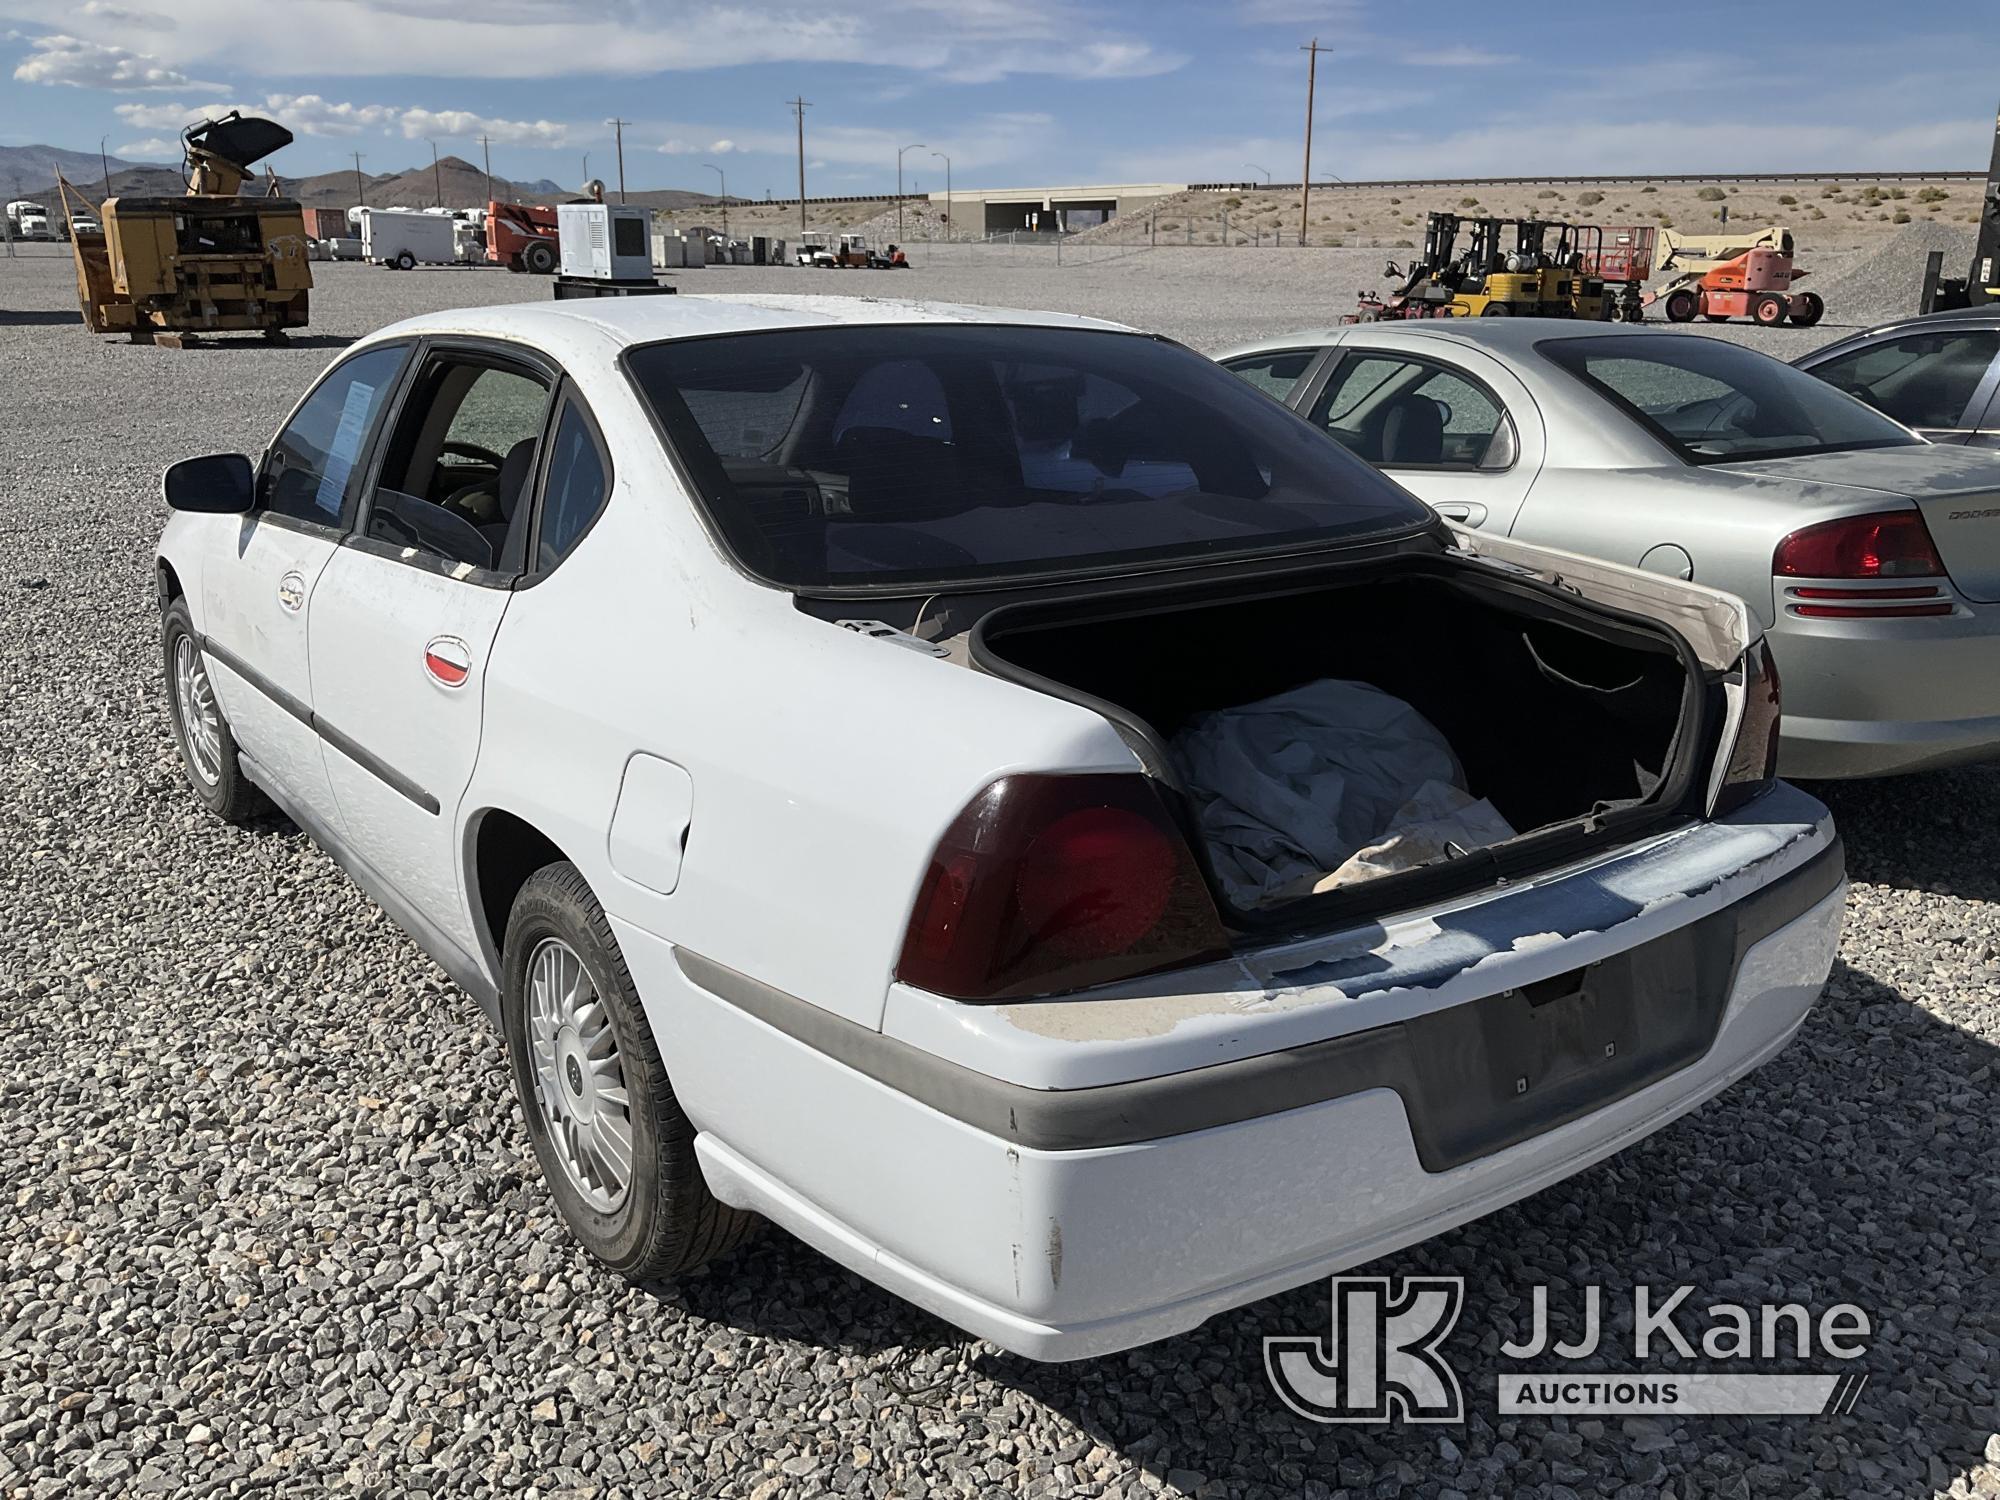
{"x": 220, "y": 484}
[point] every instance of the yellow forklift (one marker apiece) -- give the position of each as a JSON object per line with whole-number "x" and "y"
{"x": 1493, "y": 278}
{"x": 166, "y": 269}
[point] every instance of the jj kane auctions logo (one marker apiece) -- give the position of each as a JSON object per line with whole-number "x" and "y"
{"x": 1381, "y": 1359}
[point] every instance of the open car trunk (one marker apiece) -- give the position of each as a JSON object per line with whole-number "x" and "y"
{"x": 1380, "y": 735}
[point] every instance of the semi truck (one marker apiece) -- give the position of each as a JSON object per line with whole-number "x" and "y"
{"x": 28, "y": 220}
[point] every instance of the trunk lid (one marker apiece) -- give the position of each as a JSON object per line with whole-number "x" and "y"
{"x": 1716, "y": 626}
{"x": 1956, "y": 490}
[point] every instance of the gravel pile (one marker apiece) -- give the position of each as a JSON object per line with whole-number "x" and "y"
{"x": 1888, "y": 282}
{"x": 272, "y": 1224}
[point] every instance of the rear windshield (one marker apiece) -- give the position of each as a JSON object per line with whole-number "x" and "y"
{"x": 1716, "y": 401}
{"x": 834, "y": 457}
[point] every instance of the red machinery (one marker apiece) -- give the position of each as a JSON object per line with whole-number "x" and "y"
{"x": 1622, "y": 258}
{"x": 522, "y": 237}
{"x": 1745, "y": 274}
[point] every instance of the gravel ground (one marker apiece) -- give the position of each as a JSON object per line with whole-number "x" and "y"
{"x": 276, "y": 1227}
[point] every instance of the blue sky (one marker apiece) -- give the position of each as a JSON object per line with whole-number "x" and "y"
{"x": 1016, "y": 91}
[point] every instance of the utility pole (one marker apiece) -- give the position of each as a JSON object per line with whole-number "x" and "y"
{"x": 360, "y": 188}
{"x": 799, "y": 108}
{"x": 949, "y": 224}
{"x": 437, "y": 176}
{"x": 723, "y": 180}
{"x": 618, "y": 126}
{"x": 913, "y": 146}
{"x": 105, "y": 162}
{"x": 486, "y": 151}
{"x": 1311, "y": 51}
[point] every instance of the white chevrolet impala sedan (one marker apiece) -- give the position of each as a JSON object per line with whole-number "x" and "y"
{"x": 992, "y": 793}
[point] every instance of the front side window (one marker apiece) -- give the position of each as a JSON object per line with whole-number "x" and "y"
{"x": 1413, "y": 414}
{"x": 881, "y": 455}
{"x": 459, "y": 461}
{"x": 1273, "y": 374}
{"x": 1714, "y": 402}
{"x": 309, "y": 473}
{"x": 1920, "y": 379}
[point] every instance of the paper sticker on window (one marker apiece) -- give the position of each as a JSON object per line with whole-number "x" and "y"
{"x": 344, "y": 448}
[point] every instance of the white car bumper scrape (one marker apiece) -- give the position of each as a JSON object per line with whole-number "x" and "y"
{"x": 1068, "y": 1187}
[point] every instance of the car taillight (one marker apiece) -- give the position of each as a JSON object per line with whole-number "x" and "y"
{"x": 1888, "y": 544}
{"x": 1753, "y": 759}
{"x": 1049, "y": 883}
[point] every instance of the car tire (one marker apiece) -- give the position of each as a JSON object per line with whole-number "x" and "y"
{"x": 539, "y": 259}
{"x": 1807, "y": 309}
{"x": 201, "y": 734}
{"x": 406, "y": 261}
{"x": 1768, "y": 309}
{"x": 615, "y": 1147}
{"x": 1681, "y": 306}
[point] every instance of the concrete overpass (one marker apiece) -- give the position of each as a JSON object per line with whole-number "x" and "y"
{"x": 1049, "y": 209}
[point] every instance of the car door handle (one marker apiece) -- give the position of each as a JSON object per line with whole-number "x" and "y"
{"x": 1468, "y": 511}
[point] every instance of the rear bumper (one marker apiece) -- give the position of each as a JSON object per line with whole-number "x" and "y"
{"x": 1883, "y": 697}
{"x": 1063, "y": 1223}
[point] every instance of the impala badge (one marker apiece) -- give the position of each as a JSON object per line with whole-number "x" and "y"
{"x": 449, "y": 661}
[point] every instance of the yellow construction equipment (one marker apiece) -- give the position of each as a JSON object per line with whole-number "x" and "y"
{"x": 1530, "y": 278}
{"x": 164, "y": 269}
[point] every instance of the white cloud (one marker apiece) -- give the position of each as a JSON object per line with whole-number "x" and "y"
{"x": 309, "y": 114}
{"x": 167, "y": 116}
{"x": 958, "y": 39}
{"x": 416, "y": 124}
{"x": 118, "y": 15}
{"x": 76, "y": 63}
{"x": 152, "y": 146}
{"x": 314, "y": 115}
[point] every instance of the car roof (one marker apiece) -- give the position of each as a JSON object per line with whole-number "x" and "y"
{"x": 1502, "y": 335}
{"x": 619, "y": 322}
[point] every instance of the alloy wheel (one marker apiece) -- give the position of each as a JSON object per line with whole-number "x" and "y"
{"x": 579, "y": 1076}
{"x": 201, "y": 721}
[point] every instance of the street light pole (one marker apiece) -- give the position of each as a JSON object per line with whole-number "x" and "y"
{"x": 360, "y": 188}
{"x": 486, "y": 151}
{"x": 437, "y": 176}
{"x": 1265, "y": 170}
{"x": 950, "y": 224}
{"x": 105, "y": 162}
{"x": 724, "y": 182}
{"x": 913, "y": 146}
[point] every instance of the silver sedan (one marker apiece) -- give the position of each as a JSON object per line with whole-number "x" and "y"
{"x": 1871, "y": 555}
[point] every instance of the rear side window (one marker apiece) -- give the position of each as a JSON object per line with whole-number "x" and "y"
{"x": 310, "y": 471}
{"x": 1413, "y": 414}
{"x": 574, "y": 491}
{"x": 1921, "y": 379}
{"x": 1273, "y": 374}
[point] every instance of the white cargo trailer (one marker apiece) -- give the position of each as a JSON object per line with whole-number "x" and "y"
{"x": 403, "y": 238}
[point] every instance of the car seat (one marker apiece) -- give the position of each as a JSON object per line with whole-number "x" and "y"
{"x": 1412, "y": 432}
